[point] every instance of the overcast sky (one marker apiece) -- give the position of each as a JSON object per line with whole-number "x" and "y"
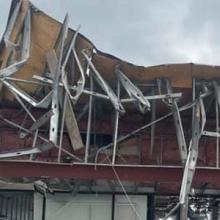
{"x": 144, "y": 32}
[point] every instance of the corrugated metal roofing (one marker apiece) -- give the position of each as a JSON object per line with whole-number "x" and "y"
{"x": 16, "y": 205}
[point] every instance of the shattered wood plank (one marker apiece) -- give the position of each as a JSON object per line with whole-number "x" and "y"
{"x": 72, "y": 127}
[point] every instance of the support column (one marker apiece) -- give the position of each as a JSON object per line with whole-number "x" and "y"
{"x": 150, "y": 207}
{"x": 113, "y": 207}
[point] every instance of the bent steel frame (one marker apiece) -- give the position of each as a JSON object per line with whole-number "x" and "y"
{"x": 70, "y": 80}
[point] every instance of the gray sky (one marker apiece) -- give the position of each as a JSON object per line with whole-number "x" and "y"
{"x": 144, "y": 32}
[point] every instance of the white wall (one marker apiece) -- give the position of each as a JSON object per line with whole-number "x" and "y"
{"x": 90, "y": 207}
{"x": 136, "y": 209}
{"x": 80, "y": 207}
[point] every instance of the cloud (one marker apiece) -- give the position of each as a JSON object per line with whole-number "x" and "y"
{"x": 133, "y": 31}
{"x": 4, "y": 10}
